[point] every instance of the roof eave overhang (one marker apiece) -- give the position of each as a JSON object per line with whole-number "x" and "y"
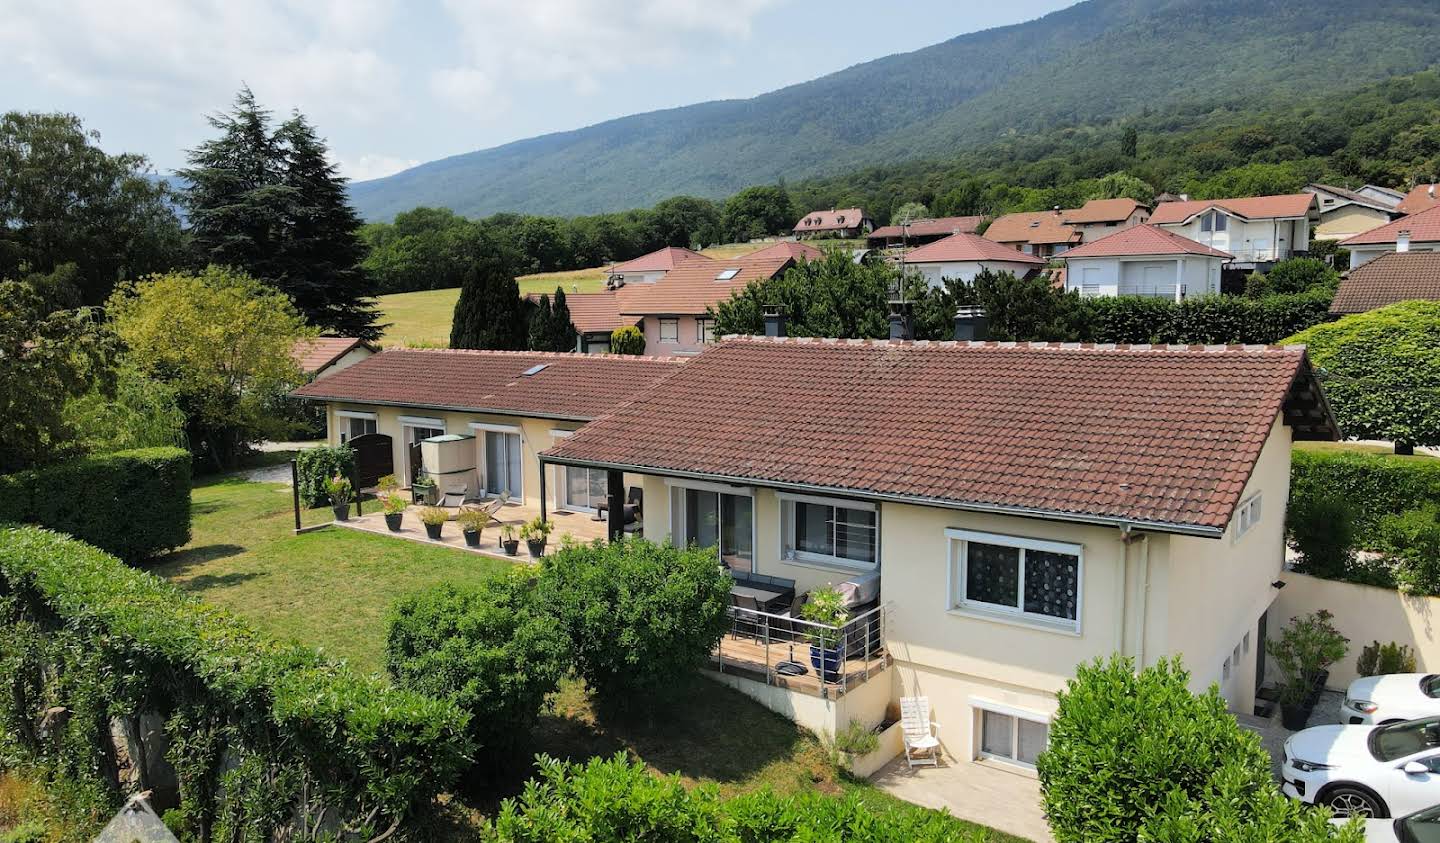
{"x": 888, "y": 497}
{"x": 452, "y": 408}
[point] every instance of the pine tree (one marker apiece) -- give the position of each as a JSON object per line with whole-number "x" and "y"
{"x": 563, "y": 336}
{"x": 540, "y": 327}
{"x": 489, "y": 313}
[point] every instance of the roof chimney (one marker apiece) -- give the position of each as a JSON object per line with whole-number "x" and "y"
{"x": 971, "y": 323}
{"x": 774, "y": 320}
{"x": 1056, "y": 209}
{"x": 1402, "y": 241}
{"x": 901, "y": 327}
{"x": 1431, "y": 191}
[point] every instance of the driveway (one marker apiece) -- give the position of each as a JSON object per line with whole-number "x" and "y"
{"x": 1273, "y": 735}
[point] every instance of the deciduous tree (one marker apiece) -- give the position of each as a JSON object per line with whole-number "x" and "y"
{"x": 758, "y": 211}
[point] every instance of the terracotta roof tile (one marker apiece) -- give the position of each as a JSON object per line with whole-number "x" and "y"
{"x": 571, "y": 386}
{"x": 592, "y": 313}
{"x": 1249, "y": 207}
{"x": 316, "y": 353}
{"x": 834, "y": 219}
{"x": 1392, "y": 277}
{"x": 931, "y": 227}
{"x": 690, "y": 288}
{"x": 789, "y": 249}
{"x": 1102, "y": 210}
{"x": 1424, "y": 227}
{"x": 661, "y": 259}
{"x": 1035, "y": 227}
{"x": 1143, "y": 240}
{"x": 969, "y": 247}
{"x": 1165, "y": 436}
{"x": 1422, "y": 197}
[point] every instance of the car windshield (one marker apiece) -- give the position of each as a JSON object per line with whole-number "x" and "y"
{"x": 1430, "y": 686}
{"x": 1420, "y": 827}
{"x": 1388, "y": 743}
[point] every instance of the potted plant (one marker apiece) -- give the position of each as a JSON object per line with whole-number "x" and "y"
{"x": 508, "y": 540}
{"x": 1303, "y": 654}
{"x": 826, "y": 608}
{"x": 535, "y": 533}
{"x": 387, "y": 483}
{"x": 393, "y": 505}
{"x": 421, "y": 488}
{"x": 472, "y": 523}
{"x": 339, "y": 490}
{"x": 434, "y": 518}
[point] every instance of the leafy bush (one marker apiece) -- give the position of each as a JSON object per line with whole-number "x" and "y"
{"x": 315, "y": 466}
{"x": 1138, "y": 756}
{"x": 80, "y": 630}
{"x": 1307, "y": 645}
{"x": 1410, "y": 542}
{"x": 1293, "y": 275}
{"x": 627, "y": 340}
{"x": 485, "y": 647}
{"x": 1201, "y": 319}
{"x": 1322, "y": 530}
{"x": 1375, "y": 485}
{"x": 134, "y": 504}
{"x": 1378, "y": 659}
{"x": 641, "y": 617}
{"x": 857, "y": 739}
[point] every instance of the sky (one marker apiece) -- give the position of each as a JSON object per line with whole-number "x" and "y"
{"x": 392, "y": 84}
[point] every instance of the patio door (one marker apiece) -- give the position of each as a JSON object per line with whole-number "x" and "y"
{"x": 709, "y": 517}
{"x": 503, "y": 463}
{"x": 583, "y": 488}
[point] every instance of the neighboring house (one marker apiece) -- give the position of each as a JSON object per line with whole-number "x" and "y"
{"x": 841, "y": 222}
{"x": 920, "y": 232}
{"x": 1256, "y": 230}
{"x": 1103, "y": 217}
{"x": 595, "y": 316}
{"x": 319, "y": 357}
{"x": 1421, "y": 197}
{"x": 673, "y": 313}
{"x": 1021, "y": 509}
{"x": 1038, "y": 233}
{"x": 787, "y": 249}
{"x": 1388, "y": 279}
{"x": 1346, "y": 213}
{"x": 1386, "y": 196}
{"x": 1418, "y": 232}
{"x": 960, "y": 257}
{"x": 1144, "y": 261}
{"x": 514, "y": 403}
{"x": 647, "y": 269}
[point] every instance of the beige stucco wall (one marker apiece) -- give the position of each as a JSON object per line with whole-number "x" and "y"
{"x": 1348, "y": 221}
{"x": 348, "y": 359}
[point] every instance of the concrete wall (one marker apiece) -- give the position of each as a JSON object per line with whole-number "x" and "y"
{"x": 1348, "y": 221}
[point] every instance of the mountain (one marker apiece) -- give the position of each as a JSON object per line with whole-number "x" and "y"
{"x": 1097, "y": 61}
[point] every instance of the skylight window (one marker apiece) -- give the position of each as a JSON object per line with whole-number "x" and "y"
{"x": 727, "y": 274}
{"x": 534, "y": 370}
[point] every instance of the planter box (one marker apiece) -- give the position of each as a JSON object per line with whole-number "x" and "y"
{"x": 891, "y": 744}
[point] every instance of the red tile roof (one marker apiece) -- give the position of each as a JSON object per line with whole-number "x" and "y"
{"x": 1250, "y": 208}
{"x": 1143, "y": 240}
{"x": 1103, "y": 210}
{"x": 571, "y": 386}
{"x": 1392, "y": 277}
{"x": 969, "y": 247}
{"x": 316, "y": 353}
{"x": 789, "y": 249}
{"x": 1424, "y": 227}
{"x": 1034, "y": 227}
{"x": 592, "y": 313}
{"x": 930, "y": 227}
{"x": 661, "y": 259}
{"x": 692, "y": 287}
{"x": 1420, "y": 198}
{"x": 1164, "y": 436}
{"x": 834, "y": 219}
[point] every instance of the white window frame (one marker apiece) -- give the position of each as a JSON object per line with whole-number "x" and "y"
{"x": 408, "y": 423}
{"x": 787, "y": 501}
{"x": 720, "y": 489}
{"x": 958, "y": 560}
{"x": 674, "y": 324}
{"x": 487, "y": 427}
{"x": 348, "y": 416}
{"x": 980, "y": 706}
{"x": 704, "y": 330}
{"x": 1247, "y": 515}
{"x": 561, "y": 475}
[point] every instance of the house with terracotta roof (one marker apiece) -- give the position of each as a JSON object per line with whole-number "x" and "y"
{"x": 1103, "y": 217}
{"x": 672, "y": 313}
{"x": 1418, "y": 232}
{"x": 322, "y": 356}
{"x": 1345, "y": 213}
{"x": 1421, "y": 197}
{"x": 789, "y": 249}
{"x": 1145, "y": 260}
{"x": 995, "y": 514}
{"x": 495, "y": 410}
{"x": 1389, "y": 279}
{"x": 1038, "y": 233}
{"x": 920, "y": 232}
{"x": 647, "y": 269}
{"x": 595, "y": 317}
{"x": 1255, "y": 230}
{"x": 960, "y": 257}
{"x": 836, "y": 222}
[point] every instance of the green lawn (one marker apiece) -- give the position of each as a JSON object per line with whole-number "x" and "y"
{"x": 1356, "y": 447}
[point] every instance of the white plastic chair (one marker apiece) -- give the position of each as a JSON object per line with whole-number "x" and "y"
{"x": 921, "y": 744}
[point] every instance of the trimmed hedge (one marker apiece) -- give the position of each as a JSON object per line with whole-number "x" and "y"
{"x": 261, "y": 732}
{"x": 316, "y": 465}
{"x": 134, "y": 504}
{"x": 1375, "y": 485}
{"x": 1202, "y": 319}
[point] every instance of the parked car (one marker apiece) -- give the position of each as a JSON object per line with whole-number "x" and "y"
{"x": 1370, "y": 771}
{"x": 1391, "y": 698}
{"x": 1420, "y": 827}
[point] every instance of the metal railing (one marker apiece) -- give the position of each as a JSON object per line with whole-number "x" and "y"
{"x": 1261, "y": 255}
{"x": 861, "y": 638}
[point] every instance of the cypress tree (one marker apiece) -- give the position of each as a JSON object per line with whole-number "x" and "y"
{"x": 540, "y": 328}
{"x": 489, "y": 313}
{"x": 563, "y": 336}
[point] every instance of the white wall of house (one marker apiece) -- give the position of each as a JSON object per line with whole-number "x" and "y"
{"x": 348, "y": 359}
{"x": 1143, "y": 276}
{"x": 1252, "y": 240}
{"x": 1360, "y": 255}
{"x": 937, "y": 272}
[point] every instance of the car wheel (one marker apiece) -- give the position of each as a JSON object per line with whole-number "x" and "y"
{"x": 1348, "y": 801}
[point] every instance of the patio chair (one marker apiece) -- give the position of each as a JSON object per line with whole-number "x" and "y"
{"x": 454, "y": 496}
{"x": 746, "y": 619}
{"x": 922, "y": 746}
{"x": 490, "y": 507}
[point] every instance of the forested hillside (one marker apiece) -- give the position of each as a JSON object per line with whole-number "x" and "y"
{"x": 1089, "y": 65}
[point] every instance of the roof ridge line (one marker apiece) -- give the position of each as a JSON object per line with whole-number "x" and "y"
{"x": 507, "y": 352}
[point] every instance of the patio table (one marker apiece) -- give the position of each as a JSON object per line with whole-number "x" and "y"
{"x": 763, "y": 596}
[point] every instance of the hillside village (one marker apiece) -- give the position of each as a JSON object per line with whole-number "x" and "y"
{"x": 1083, "y": 501}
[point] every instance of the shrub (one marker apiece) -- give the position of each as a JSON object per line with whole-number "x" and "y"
{"x": 338, "y": 490}
{"x": 857, "y": 739}
{"x": 627, "y": 340}
{"x": 1138, "y": 752}
{"x": 1375, "y": 485}
{"x": 315, "y": 467}
{"x": 473, "y": 520}
{"x": 1201, "y": 319}
{"x": 1410, "y": 542}
{"x": 484, "y": 647}
{"x": 393, "y": 503}
{"x": 1307, "y": 646}
{"x": 1291, "y": 276}
{"x": 433, "y": 515}
{"x": 641, "y": 617}
{"x": 1378, "y": 659}
{"x": 134, "y": 504}
{"x": 1322, "y": 530}
{"x": 304, "y": 731}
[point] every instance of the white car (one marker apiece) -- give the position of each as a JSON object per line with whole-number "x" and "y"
{"x": 1392, "y": 698}
{"x": 1370, "y": 771}
{"x": 1419, "y": 827}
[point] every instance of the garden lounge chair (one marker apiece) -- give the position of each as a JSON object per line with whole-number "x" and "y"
{"x": 489, "y": 507}
{"x": 921, "y": 744}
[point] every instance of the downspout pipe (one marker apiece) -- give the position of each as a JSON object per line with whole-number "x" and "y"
{"x": 1142, "y": 601}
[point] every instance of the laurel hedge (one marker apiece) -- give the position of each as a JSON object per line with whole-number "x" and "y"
{"x": 262, "y": 735}
{"x": 1201, "y": 319}
{"x": 1374, "y": 485}
{"x": 134, "y": 504}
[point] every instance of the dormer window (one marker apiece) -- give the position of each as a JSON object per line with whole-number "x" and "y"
{"x": 840, "y": 219}
{"x": 1035, "y": 224}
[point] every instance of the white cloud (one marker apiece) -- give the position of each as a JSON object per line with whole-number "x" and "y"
{"x": 374, "y": 166}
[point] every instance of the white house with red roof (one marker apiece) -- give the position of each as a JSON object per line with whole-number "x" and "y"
{"x": 1418, "y": 232}
{"x": 1255, "y": 230}
{"x": 322, "y": 356}
{"x": 647, "y": 269}
{"x": 1144, "y": 261}
{"x": 961, "y": 257}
